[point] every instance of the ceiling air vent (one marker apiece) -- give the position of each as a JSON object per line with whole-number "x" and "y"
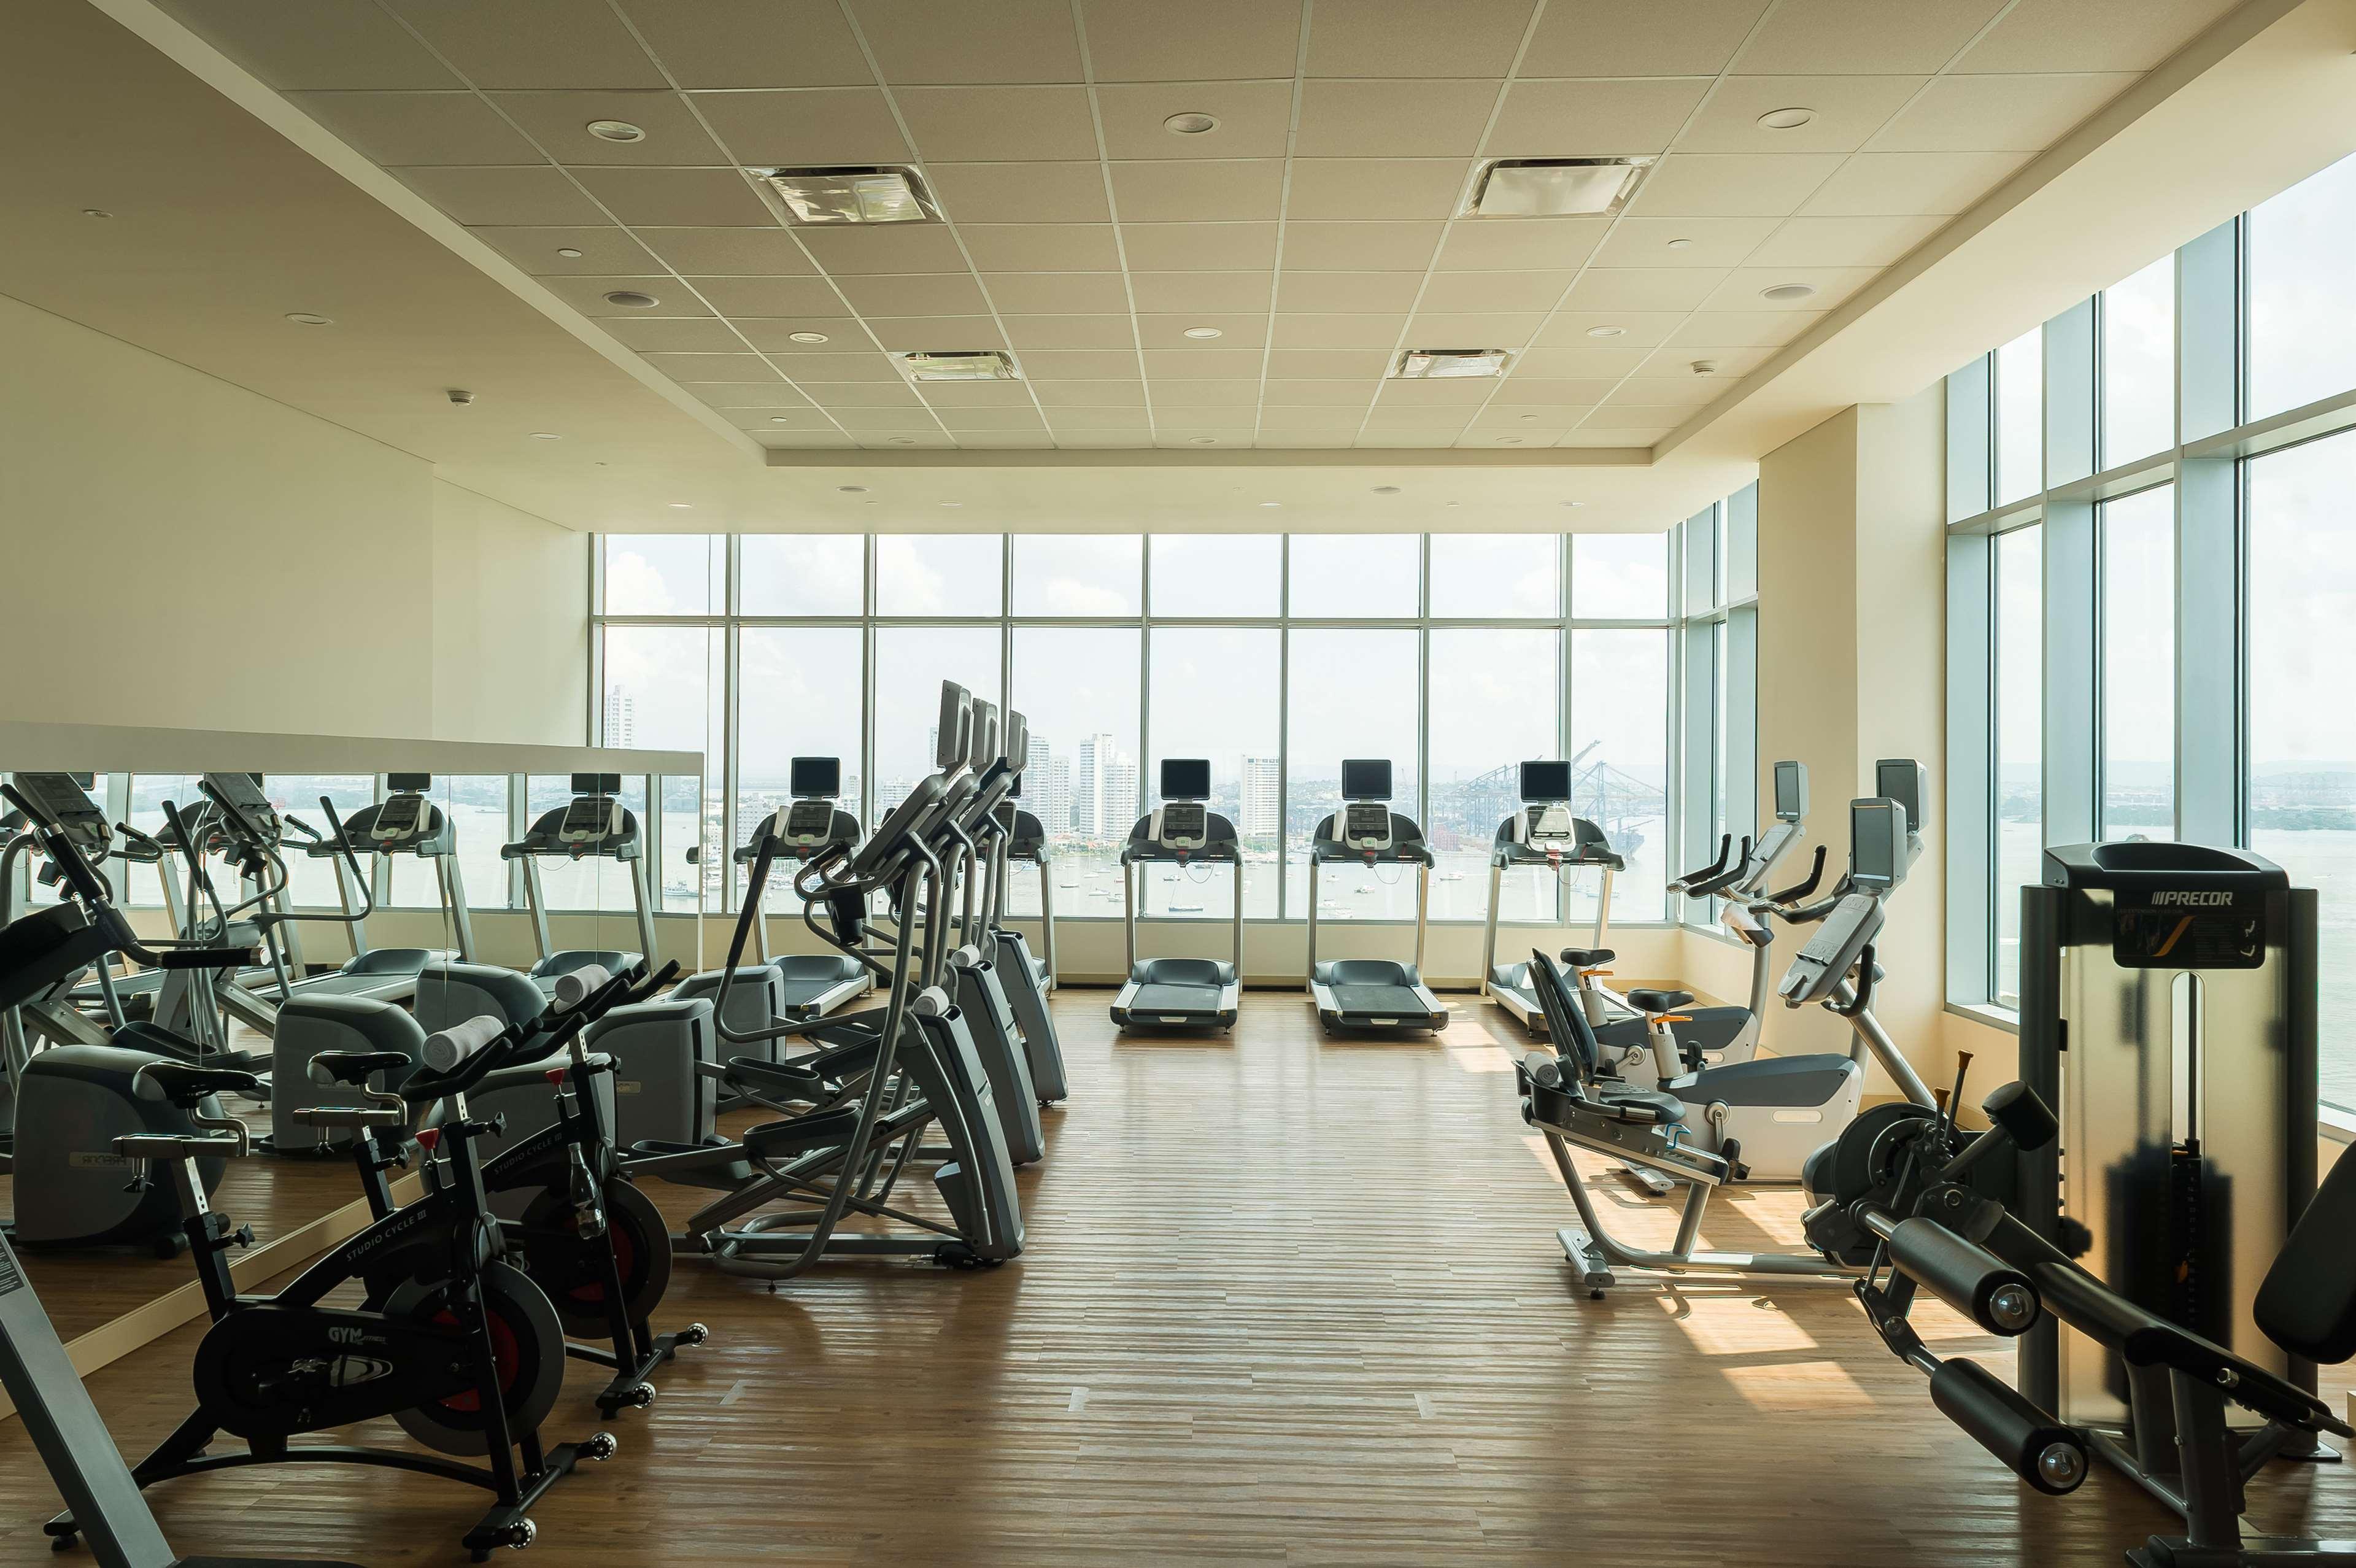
{"x": 961, "y": 365}
{"x": 1555, "y": 187}
{"x": 884, "y": 194}
{"x": 1436, "y": 364}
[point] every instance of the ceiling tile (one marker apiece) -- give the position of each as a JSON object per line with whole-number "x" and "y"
{"x": 687, "y": 198}
{"x": 1215, "y": 364}
{"x": 886, "y": 247}
{"x": 1393, "y": 119}
{"x": 958, "y": 41}
{"x": 1434, "y": 416}
{"x": 1408, "y": 440}
{"x": 985, "y": 124}
{"x": 1414, "y": 38}
{"x": 1364, "y": 188}
{"x": 533, "y": 43}
{"x": 1677, "y": 360}
{"x": 1473, "y": 329}
{"x": 1740, "y": 291}
{"x": 1028, "y": 332}
{"x": 1080, "y": 365}
{"x": 791, "y": 440}
{"x": 882, "y": 443}
{"x": 751, "y": 43}
{"x": 1195, "y": 395}
{"x": 1616, "y": 439}
{"x": 1687, "y": 392}
{"x": 1731, "y": 185}
{"x": 1042, "y": 247}
{"x": 418, "y": 128}
{"x": 1199, "y": 190}
{"x": 1632, "y": 420}
{"x": 774, "y": 335}
{"x": 1253, "y": 118}
{"x": 293, "y": 44}
{"x": 1844, "y": 241}
{"x": 915, "y": 295}
{"x": 1524, "y": 291}
{"x": 965, "y": 398}
{"x": 1021, "y": 192}
{"x": 559, "y": 122}
{"x": 1203, "y": 41}
{"x": 1057, "y": 293}
{"x": 807, "y": 418}
{"x": 863, "y": 422}
{"x": 844, "y": 395}
{"x": 1766, "y": 328}
{"x": 1139, "y": 436}
{"x": 1249, "y": 331}
{"x": 1335, "y": 442}
{"x": 731, "y": 395}
{"x": 737, "y": 295}
{"x": 696, "y": 335}
{"x": 1848, "y": 110}
{"x": 1627, "y": 328}
{"x": 866, "y": 366}
{"x": 1523, "y": 390}
{"x": 806, "y": 127}
{"x": 767, "y": 252}
{"x": 604, "y": 249}
{"x": 1640, "y": 38}
{"x": 1707, "y": 242}
{"x": 1571, "y": 364}
{"x": 992, "y": 440}
{"x": 1563, "y": 119}
{"x": 1863, "y": 37}
{"x": 1641, "y": 288}
{"x": 1538, "y": 435}
{"x": 1320, "y": 396}
{"x": 1330, "y": 364}
{"x": 1231, "y": 438}
{"x": 1873, "y": 185}
{"x": 1199, "y": 247}
{"x": 1466, "y": 395}
{"x": 936, "y": 333}
{"x": 1349, "y": 292}
{"x": 1998, "y": 113}
{"x": 1334, "y": 418}
{"x": 1530, "y": 426}
{"x": 540, "y": 195}
{"x": 1335, "y": 330}
{"x": 587, "y": 295}
{"x": 1092, "y": 405}
{"x": 963, "y": 418}
{"x": 699, "y": 369}
{"x": 1503, "y": 244}
{"x": 1172, "y": 292}
{"x": 1358, "y": 247}
{"x": 2090, "y": 34}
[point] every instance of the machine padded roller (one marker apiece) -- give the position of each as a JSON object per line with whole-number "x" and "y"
{"x": 2027, "y": 1120}
{"x": 1966, "y": 1275}
{"x": 2039, "y": 1449}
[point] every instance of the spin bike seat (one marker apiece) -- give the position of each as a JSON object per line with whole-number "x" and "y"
{"x": 1588, "y": 957}
{"x": 185, "y": 1086}
{"x": 356, "y": 1067}
{"x": 1655, "y": 1002}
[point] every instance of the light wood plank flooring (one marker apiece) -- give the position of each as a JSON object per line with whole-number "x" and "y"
{"x": 1286, "y": 1301}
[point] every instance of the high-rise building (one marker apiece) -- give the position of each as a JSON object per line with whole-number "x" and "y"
{"x": 1055, "y": 815}
{"x": 1104, "y": 789}
{"x": 621, "y": 717}
{"x": 1263, "y": 797}
{"x": 1119, "y": 795}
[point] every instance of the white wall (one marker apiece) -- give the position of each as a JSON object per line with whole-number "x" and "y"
{"x": 183, "y": 553}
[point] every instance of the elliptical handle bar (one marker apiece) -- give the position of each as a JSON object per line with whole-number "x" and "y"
{"x": 1802, "y": 888}
{"x": 1693, "y": 879}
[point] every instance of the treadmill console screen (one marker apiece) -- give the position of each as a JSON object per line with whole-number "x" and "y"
{"x": 1546, "y": 782}
{"x": 1791, "y": 792}
{"x": 1549, "y": 822}
{"x": 1366, "y": 824}
{"x": 1184, "y": 825}
{"x": 807, "y": 823}
{"x": 590, "y": 819}
{"x": 400, "y": 816}
{"x": 1366, "y": 779}
{"x": 1185, "y": 778}
{"x": 596, "y": 783}
{"x": 408, "y": 783}
{"x": 815, "y": 778}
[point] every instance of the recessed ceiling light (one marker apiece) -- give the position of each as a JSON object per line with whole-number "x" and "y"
{"x": 953, "y": 503}
{"x": 1555, "y": 187}
{"x": 1386, "y": 489}
{"x": 1788, "y": 290}
{"x": 1455, "y": 503}
{"x": 1190, "y": 124}
{"x": 1607, "y": 332}
{"x": 305, "y": 318}
{"x": 1509, "y": 441}
{"x": 1681, "y": 245}
{"x": 568, "y": 252}
{"x": 1529, "y": 417}
{"x": 546, "y": 436}
{"x": 781, "y": 419}
{"x": 682, "y": 506}
{"x": 805, "y": 336}
{"x": 631, "y": 299}
{"x": 1704, "y": 367}
{"x": 886, "y": 193}
{"x": 960, "y": 365}
{"x": 904, "y": 441}
{"x": 1271, "y": 503}
{"x": 1786, "y": 119}
{"x": 1203, "y": 332}
{"x": 1202, "y": 440}
{"x": 616, "y": 131}
{"x": 1574, "y": 503}
{"x": 1448, "y": 364}
{"x": 96, "y": 213}
{"x": 853, "y": 489}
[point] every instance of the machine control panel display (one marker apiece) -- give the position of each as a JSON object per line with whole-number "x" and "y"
{"x": 590, "y": 819}
{"x": 807, "y": 823}
{"x": 1549, "y": 823}
{"x": 64, "y": 797}
{"x": 400, "y": 818}
{"x": 1183, "y": 825}
{"x": 2190, "y": 927}
{"x": 1366, "y": 824}
{"x": 244, "y": 791}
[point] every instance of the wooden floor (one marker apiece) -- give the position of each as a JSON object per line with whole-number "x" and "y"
{"x": 1286, "y": 1302}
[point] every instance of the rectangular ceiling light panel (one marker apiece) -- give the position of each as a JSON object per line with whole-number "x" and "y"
{"x": 1439, "y": 364}
{"x": 1556, "y": 188}
{"x": 828, "y": 196}
{"x": 961, "y": 365}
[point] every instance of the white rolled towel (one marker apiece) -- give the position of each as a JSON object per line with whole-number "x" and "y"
{"x": 576, "y": 986}
{"x": 446, "y": 1048}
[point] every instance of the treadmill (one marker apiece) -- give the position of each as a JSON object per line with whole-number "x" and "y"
{"x": 594, "y": 824}
{"x": 1542, "y": 832}
{"x": 1181, "y": 993}
{"x": 1372, "y": 996}
{"x": 816, "y": 984}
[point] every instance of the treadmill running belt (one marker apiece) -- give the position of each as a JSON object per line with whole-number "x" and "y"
{"x": 1175, "y": 999}
{"x": 1384, "y": 1001}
